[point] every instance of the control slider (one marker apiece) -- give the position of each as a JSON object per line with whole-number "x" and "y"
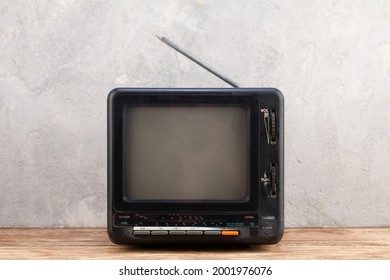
{"x": 270, "y": 180}
{"x": 271, "y": 125}
{"x": 273, "y": 180}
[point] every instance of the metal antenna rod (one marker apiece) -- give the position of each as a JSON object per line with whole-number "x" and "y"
{"x": 197, "y": 61}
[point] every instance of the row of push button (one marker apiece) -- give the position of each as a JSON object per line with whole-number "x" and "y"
{"x": 187, "y": 232}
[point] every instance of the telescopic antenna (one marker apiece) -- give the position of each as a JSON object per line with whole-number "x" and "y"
{"x": 197, "y": 61}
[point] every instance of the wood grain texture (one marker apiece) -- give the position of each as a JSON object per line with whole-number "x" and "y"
{"x": 93, "y": 243}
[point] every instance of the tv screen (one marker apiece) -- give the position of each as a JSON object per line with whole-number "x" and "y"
{"x": 186, "y": 153}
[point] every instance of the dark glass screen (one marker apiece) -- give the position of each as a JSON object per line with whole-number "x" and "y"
{"x": 186, "y": 153}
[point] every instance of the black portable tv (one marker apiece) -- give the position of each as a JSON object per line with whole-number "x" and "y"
{"x": 195, "y": 165}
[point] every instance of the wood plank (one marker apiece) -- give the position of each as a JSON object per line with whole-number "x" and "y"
{"x": 93, "y": 243}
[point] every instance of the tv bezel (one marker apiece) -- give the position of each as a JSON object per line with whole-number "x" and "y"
{"x": 119, "y": 98}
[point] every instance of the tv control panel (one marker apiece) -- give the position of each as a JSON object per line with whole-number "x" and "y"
{"x": 179, "y": 220}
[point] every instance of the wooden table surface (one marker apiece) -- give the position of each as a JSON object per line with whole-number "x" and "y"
{"x": 93, "y": 243}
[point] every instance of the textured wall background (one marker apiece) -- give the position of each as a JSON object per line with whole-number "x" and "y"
{"x": 59, "y": 59}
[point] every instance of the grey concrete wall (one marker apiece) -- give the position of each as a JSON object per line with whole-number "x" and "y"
{"x": 59, "y": 59}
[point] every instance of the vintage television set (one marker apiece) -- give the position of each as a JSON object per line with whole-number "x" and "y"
{"x": 195, "y": 165}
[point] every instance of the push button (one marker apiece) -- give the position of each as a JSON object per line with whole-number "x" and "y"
{"x": 159, "y": 232}
{"x": 177, "y": 232}
{"x": 212, "y": 232}
{"x": 141, "y": 232}
{"x": 194, "y": 232}
{"x": 230, "y": 233}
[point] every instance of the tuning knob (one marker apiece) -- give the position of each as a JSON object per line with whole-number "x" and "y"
{"x": 273, "y": 180}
